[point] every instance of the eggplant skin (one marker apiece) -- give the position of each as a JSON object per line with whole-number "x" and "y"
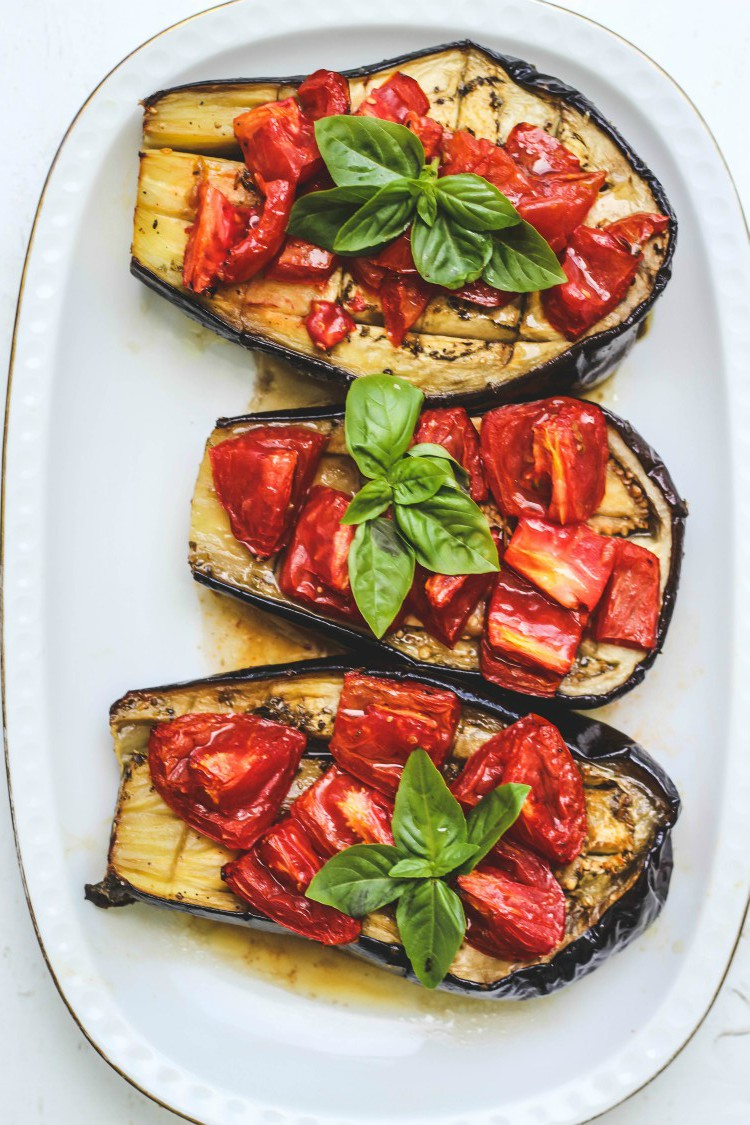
{"x": 368, "y": 647}
{"x": 589, "y": 740}
{"x": 578, "y": 367}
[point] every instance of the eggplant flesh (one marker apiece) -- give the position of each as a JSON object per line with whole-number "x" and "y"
{"x": 614, "y": 889}
{"x": 456, "y": 351}
{"x": 640, "y": 501}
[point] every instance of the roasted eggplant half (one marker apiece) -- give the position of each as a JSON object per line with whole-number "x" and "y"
{"x": 613, "y": 889}
{"x": 457, "y": 350}
{"x": 640, "y": 510}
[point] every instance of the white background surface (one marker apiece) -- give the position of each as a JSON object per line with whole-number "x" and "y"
{"x": 53, "y": 54}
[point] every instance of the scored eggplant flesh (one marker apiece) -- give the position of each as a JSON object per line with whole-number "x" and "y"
{"x": 639, "y": 501}
{"x": 456, "y": 350}
{"x": 155, "y": 857}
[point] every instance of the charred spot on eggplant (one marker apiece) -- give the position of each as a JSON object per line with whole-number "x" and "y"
{"x": 457, "y": 352}
{"x": 640, "y": 501}
{"x": 614, "y": 889}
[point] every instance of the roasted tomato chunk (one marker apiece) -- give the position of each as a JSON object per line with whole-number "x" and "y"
{"x": 379, "y": 722}
{"x": 572, "y": 564}
{"x": 429, "y": 131}
{"x": 218, "y": 226}
{"x": 287, "y": 850}
{"x": 339, "y": 811}
{"x": 396, "y": 256}
{"x": 264, "y": 237}
{"x": 532, "y": 752}
{"x": 628, "y": 613}
{"x": 278, "y": 142}
{"x": 403, "y": 299}
{"x": 224, "y": 775}
{"x": 539, "y": 152}
{"x": 250, "y": 879}
{"x": 546, "y": 458}
{"x": 261, "y": 478}
{"x": 600, "y": 264}
{"x": 525, "y": 626}
{"x": 515, "y": 907}
{"x": 302, "y": 261}
{"x": 516, "y": 677}
{"x": 315, "y": 568}
{"x": 559, "y": 205}
{"x": 483, "y": 295}
{"x": 328, "y": 324}
{"x": 324, "y": 94}
{"x": 444, "y": 603}
{"x": 395, "y": 99}
{"x": 463, "y": 152}
{"x": 452, "y": 428}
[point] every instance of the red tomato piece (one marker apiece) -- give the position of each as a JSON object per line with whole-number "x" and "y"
{"x": 463, "y": 152}
{"x": 637, "y": 229}
{"x": 339, "y": 811}
{"x": 444, "y": 603}
{"x": 559, "y": 205}
{"x": 379, "y": 722}
{"x": 532, "y": 752}
{"x": 527, "y": 627}
{"x": 483, "y": 295}
{"x": 515, "y": 906}
{"x": 429, "y": 131}
{"x": 396, "y": 256}
{"x": 264, "y": 239}
{"x": 539, "y": 152}
{"x": 278, "y": 142}
{"x": 315, "y": 567}
{"x": 218, "y": 226}
{"x": 287, "y": 850}
{"x": 328, "y": 324}
{"x": 324, "y": 94}
{"x": 572, "y": 564}
{"x": 516, "y": 677}
{"x": 628, "y": 613}
{"x": 250, "y": 879}
{"x": 546, "y": 458}
{"x": 261, "y": 478}
{"x": 395, "y": 99}
{"x": 224, "y": 775}
{"x": 403, "y": 299}
{"x": 302, "y": 261}
{"x": 370, "y": 276}
{"x": 452, "y": 428}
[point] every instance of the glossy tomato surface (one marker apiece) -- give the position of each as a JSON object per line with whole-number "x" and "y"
{"x": 452, "y": 428}
{"x": 628, "y": 613}
{"x": 288, "y": 852}
{"x": 394, "y": 99}
{"x": 328, "y": 324}
{"x": 338, "y": 811}
{"x": 444, "y": 603}
{"x": 525, "y": 626}
{"x": 218, "y": 225}
{"x": 571, "y": 564}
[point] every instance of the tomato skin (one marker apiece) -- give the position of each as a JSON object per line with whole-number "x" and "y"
{"x": 628, "y": 613}
{"x": 261, "y": 477}
{"x": 403, "y": 299}
{"x": 278, "y": 142}
{"x": 560, "y": 204}
{"x": 328, "y": 324}
{"x": 571, "y": 564}
{"x": 483, "y": 295}
{"x": 396, "y": 256}
{"x": 525, "y": 626}
{"x": 315, "y": 566}
{"x": 637, "y": 229}
{"x": 538, "y": 152}
{"x": 444, "y": 603}
{"x": 369, "y": 276}
{"x": 546, "y": 458}
{"x": 516, "y": 677}
{"x": 395, "y": 99}
{"x": 263, "y": 241}
{"x": 302, "y": 261}
{"x": 324, "y": 93}
{"x": 224, "y": 775}
{"x": 532, "y": 752}
{"x": 379, "y": 722}
{"x": 338, "y": 811}
{"x": 452, "y": 428}
{"x": 463, "y": 152}
{"x": 429, "y": 131}
{"x": 515, "y": 906}
{"x": 218, "y": 226}
{"x": 289, "y": 853}
{"x": 250, "y": 879}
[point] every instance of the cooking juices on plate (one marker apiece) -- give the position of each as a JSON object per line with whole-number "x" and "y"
{"x": 473, "y": 846}
{"x": 537, "y": 547}
{"x": 451, "y": 217}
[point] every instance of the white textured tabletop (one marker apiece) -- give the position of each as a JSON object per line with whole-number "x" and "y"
{"x": 53, "y": 55}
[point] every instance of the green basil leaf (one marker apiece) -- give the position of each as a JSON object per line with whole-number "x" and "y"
{"x": 381, "y": 571}
{"x": 430, "y": 450}
{"x": 384, "y": 217}
{"x": 427, "y": 818}
{"x": 427, "y": 207}
{"x": 447, "y": 253}
{"x": 432, "y": 924}
{"x": 452, "y": 857}
{"x": 411, "y": 868}
{"x": 356, "y": 880}
{"x": 491, "y": 818}
{"x": 369, "y": 502}
{"x": 318, "y": 216}
{"x": 449, "y": 533}
{"x": 381, "y": 413}
{"x": 366, "y": 150}
{"x": 475, "y": 203}
{"x": 419, "y": 478}
{"x": 522, "y": 262}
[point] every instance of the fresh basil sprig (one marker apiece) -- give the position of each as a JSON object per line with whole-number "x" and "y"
{"x": 435, "y": 522}
{"x": 462, "y": 227}
{"x": 433, "y": 843}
